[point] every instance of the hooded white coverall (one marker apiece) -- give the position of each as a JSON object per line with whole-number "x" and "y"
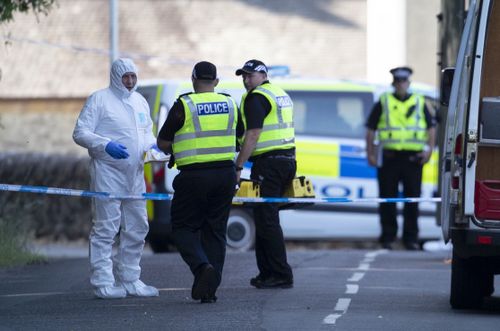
{"x": 119, "y": 115}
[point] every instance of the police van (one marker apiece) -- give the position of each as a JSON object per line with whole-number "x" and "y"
{"x": 470, "y": 185}
{"x": 329, "y": 118}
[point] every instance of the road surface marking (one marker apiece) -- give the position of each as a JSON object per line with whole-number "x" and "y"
{"x": 35, "y": 294}
{"x": 375, "y": 253}
{"x": 31, "y": 294}
{"x": 331, "y": 319}
{"x": 364, "y": 266}
{"x": 356, "y": 277}
{"x": 166, "y": 289}
{"x": 351, "y": 289}
{"x": 342, "y": 305}
{"x": 369, "y": 259}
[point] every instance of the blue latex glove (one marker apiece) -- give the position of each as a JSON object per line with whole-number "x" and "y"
{"x": 116, "y": 150}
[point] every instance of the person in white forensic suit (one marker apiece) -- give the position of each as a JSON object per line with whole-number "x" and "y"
{"x": 116, "y": 128}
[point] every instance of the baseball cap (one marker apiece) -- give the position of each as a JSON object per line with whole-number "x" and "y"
{"x": 204, "y": 71}
{"x": 401, "y": 73}
{"x": 252, "y": 66}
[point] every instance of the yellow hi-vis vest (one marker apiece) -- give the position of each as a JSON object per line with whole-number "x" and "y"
{"x": 277, "y": 131}
{"x": 209, "y": 130}
{"x": 402, "y": 124}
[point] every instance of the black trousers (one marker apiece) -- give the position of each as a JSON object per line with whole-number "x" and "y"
{"x": 273, "y": 174}
{"x": 200, "y": 210}
{"x": 399, "y": 167}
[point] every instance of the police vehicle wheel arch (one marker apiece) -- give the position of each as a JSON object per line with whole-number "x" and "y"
{"x": 240, "y": 230}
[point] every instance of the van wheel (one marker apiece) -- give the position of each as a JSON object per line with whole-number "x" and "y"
{"x": 467, "y": 275}
{"x": 240, "y": 230}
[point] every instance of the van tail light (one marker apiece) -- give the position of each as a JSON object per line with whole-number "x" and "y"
{"x": 458, "y": 145}
{"x": 455, "y": 179}
{"x": 484, "y": 240}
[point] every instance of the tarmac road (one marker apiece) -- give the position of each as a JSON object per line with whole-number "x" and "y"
{"x": 343, "y": 289}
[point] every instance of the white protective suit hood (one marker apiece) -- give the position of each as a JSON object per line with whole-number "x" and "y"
{"x": 122, "y": 116}
{"x": 118, "y": 69}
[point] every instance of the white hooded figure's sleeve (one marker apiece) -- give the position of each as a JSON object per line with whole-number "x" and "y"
{"x": 84, "y": 132}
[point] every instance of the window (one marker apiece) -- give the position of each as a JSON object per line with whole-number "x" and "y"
{"x": 331, "y": 114}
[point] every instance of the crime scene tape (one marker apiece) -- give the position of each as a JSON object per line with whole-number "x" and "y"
{"x": 163, "y": 196}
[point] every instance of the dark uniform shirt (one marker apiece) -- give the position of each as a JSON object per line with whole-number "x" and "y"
{"x": 256, "y": 108}
{"x": 175, "y": 121}
{"x": 373, "y": 118}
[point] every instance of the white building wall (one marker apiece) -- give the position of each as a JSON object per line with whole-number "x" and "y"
{"x": 386, "y": 38}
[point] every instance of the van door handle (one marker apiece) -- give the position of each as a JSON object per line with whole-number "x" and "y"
{"x": 447, "y": 165}
{"x": 472, "y": 159}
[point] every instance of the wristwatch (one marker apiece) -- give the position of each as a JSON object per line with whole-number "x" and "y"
{"x": 239, "y": 168}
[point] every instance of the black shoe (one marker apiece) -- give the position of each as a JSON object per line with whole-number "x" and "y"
{"x": 386, "y": 245}
{"x": 205, "y": 283}
{"x": 411, "y": 246}
{"x": 273, "y": 282}
{"x": 209, "y": 299}
{"x": 256, "y": 280}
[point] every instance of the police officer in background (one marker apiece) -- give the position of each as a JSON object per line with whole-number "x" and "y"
{"x": 406, "y": 136}
{"x": 269, "y": 143}
{"x": 200, "y": 131}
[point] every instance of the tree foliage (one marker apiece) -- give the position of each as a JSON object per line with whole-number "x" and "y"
{"x": 9, "y": 7}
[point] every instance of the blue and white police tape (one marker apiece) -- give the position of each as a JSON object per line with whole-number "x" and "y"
{"x": 163, "y": 196}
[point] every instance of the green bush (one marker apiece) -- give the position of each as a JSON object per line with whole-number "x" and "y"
{"x": 13, "y": 244}
{"x": 28, "y": 216}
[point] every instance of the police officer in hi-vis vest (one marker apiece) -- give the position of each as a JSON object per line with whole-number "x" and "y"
{"x": 269, "y": 143}
{"x": 200, "y": 132}
{"x": 406, "y": 136}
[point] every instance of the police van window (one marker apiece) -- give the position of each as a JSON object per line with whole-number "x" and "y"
{"x": 149, "y": 93}
{"x": 331, "y": 114}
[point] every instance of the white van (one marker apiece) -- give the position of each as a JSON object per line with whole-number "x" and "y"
{"x": 470, "y": 186}
{"x": 329, "y": 119}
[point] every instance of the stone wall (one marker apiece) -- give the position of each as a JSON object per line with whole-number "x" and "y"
{"x": 39, "y": 125}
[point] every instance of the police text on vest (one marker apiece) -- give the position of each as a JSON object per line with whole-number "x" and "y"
{"x": 212, "y": 108}
{"x": 284, "y": 101}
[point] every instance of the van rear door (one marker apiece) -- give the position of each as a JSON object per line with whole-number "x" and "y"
{"x": 476, "y": 151}
{"x": 454, "y": 126}
{"x": 482, "y": 176}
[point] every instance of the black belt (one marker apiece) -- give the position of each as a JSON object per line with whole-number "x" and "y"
{"x": 280, "y": 156}
{"x": 395, "y": 152}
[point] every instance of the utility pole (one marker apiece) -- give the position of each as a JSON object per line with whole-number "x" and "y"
{"x": 451, "y": 23}
{"x": 113, "y": 31}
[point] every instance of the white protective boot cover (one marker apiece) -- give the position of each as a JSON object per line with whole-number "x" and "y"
{"x": 110, "y": 292}
{"x": 139, "y": 289}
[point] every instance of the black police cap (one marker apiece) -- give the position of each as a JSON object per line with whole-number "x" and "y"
{"x": 252, "y": 66}
{"x": 401, "y": 73}
{"x": 204, "y": 71}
